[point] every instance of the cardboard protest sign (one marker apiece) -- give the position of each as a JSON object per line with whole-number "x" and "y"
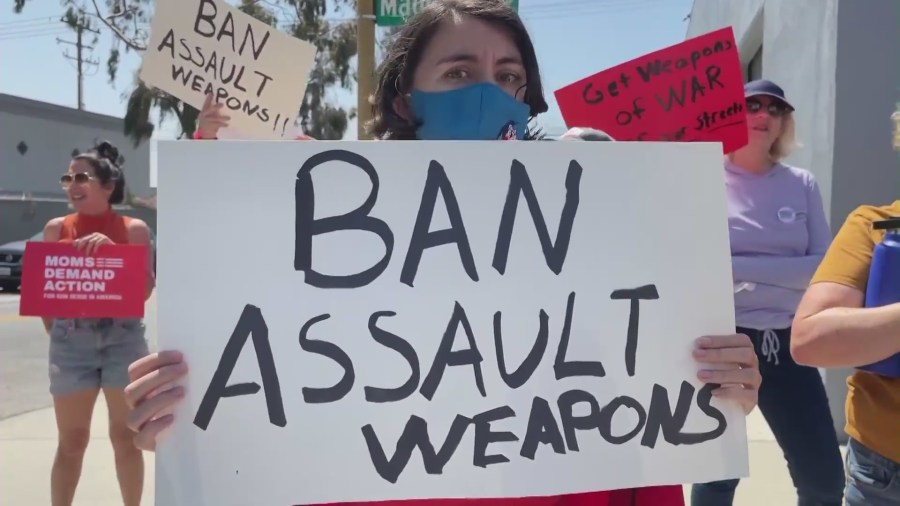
{"x": 198, "y": 47}
{"x": 442, "y": 320}
{"x": 60, "y": 281}
{"x": 692, "y": 91}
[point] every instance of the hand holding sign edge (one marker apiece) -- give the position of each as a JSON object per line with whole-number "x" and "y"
{"x": 90, "y": 243}
{"x": 148, "y": 396}
{"x": 211, "y": 119}
{"x": 739, "y": 377}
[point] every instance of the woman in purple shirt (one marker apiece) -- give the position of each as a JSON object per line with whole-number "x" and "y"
{"x": 779, "y": 235}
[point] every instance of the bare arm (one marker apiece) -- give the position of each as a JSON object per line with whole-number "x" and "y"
{"x": 51, "y": 234}
{"x": 139, "y": 233}
{"x": 832, "y": 329}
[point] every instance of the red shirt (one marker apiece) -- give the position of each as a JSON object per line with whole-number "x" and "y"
{"x": 670, "y": 495}
{"x": 110, "y": 224}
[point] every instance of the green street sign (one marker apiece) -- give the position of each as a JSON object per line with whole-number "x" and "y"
{"x": 396, "y": 12}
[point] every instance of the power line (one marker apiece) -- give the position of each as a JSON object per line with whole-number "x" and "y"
{"x": 29, "y": 28}
{"x": 44, "y": 32}
{"x": 568, "y": 5}
{"x": 550, "y": 9}
{"x": 589, "y": 9}
{"x": 80, "y": 58}
{"x": 30, "y": 21}
{"x": 564, "y": 9}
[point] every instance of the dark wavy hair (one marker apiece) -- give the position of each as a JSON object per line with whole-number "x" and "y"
{"x": 395, "y": 74}
{"x": 104, "y": 159}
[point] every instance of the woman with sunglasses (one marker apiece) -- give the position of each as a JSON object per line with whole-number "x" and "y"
{"x": 90, "y": 355}
{"x": 467, "y": 70}
{"x": 779, "y": 234}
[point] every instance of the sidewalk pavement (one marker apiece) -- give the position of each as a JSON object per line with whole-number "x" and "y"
{"x": 27, "y": 446}
{"x": 28, "y": 441}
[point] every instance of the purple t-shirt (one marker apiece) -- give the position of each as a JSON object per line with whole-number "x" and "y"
{"x": 779, "y": 234}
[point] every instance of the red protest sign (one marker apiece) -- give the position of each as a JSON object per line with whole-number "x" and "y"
{"x": 61, "y": 282}
{"x": 692, "y": 91}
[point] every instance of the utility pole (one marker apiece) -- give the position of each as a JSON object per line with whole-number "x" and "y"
{"x": 365, "y": 51}
{"x": 80, "y": 27}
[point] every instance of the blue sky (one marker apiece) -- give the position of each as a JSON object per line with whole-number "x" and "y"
{"x": 574, "y": 38}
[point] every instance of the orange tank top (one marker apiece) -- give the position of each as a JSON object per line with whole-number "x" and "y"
{"x": 110, "y": 224}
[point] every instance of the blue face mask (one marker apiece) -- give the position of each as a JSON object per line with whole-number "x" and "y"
{"x": 473, "y": 113}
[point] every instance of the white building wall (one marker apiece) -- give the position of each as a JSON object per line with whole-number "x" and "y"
{"x": 51, "y": 133}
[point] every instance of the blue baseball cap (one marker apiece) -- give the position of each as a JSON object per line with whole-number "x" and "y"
{"x": 765, "y": 87}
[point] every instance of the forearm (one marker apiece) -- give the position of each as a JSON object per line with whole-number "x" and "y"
{"x": 847, "y": 337}
{"x": 48, "y": 323}
{"x": 786, "y": 272}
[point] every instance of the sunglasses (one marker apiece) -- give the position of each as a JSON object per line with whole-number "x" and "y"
{"x": 77, "y": 178}
{"x": 774, "y": 109}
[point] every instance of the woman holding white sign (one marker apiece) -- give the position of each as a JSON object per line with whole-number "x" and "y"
{"x": 465, "y": 70}
{"x": 90, "y": 355}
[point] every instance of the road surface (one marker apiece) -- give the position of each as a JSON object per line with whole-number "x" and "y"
{"x": 23, "y": 357}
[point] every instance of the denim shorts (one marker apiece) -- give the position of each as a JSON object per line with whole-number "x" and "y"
{"x": 873, "y": 480}
{"x": 93, "y": 353}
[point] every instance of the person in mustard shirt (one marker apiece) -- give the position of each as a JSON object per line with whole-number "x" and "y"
{"x": 832, "y": 328}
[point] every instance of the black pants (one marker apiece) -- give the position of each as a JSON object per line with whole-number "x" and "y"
{"x": 793, "y": 401}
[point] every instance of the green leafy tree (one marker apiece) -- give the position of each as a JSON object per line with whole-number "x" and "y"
{"x": 327, "y": 24}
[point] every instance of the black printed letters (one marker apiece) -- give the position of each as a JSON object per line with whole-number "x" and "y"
{"x": 555, "y": 254}
{"x": 422, "y": 237}
{"x": 636, "y": 295}
{"x": 307, "y": 226}
{"x": 414, "y": 435}
{"x": 205, "y": 25}
{"x": 335, "y": 353}
{"x": 668, "y": 82}
{"x": 250, "y": 324}
{"x": 574, "y": 418}
{"x": 401, "y": 346}
{"x": 446, "y": 356}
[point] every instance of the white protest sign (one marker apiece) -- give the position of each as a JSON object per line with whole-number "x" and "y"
{"x": 198, "y": 47}
{"x": 392, "y": 320}
{"x": 152, "y": 143}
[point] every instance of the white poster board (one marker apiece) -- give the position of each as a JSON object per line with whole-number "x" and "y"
{"x": 152, "y": 144}
{"x": 317, "y": 419}
{"x": 207, "y": 46}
